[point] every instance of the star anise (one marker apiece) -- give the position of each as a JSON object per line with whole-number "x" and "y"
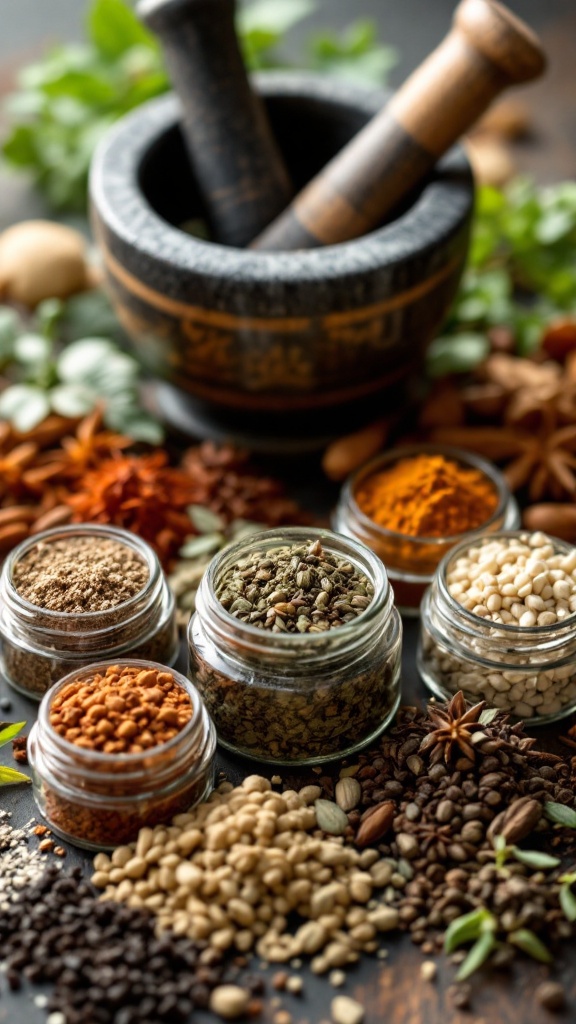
{"x": 454, "y": 727}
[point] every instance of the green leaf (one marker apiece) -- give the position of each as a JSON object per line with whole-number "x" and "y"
{"x": 48, "y": 316}
{"x": 478, "y": 955}
{"x": 458, "y": 354}
{"x": 24, "y": 406}
{"x": 273, "y": 16}
{"x": 560, "y": 813}
{"x": 10, "y": 777}
{"x": 535, "y": 859}
{"x": 568, "y": 902}
{"x": 32, "y": 349}
{"x": 9, "y": 328}
{"x": 529, "y": 943}
{"x": 135, "y": 423}
{"x": 82, "y": 358}
{"x": 114, "y": 28}
{"x": 10, "y": 731}
{"x": 205, "y": 520}
{"x": 72, "y": 400}
{"x": 206, "y": 544}
{"x": 488, "y": 715}
{"x": 467, "y": 927}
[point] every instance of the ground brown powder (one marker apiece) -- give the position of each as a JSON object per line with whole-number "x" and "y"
{"x": 79, "y": 574}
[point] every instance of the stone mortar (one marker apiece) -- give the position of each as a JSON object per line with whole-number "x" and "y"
{"x": 279, "y": 349}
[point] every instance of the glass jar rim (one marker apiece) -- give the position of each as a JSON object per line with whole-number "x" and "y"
{"x": 476, "y": 620}
{"x": 469, "y": 459}
{"x": 124, "y": 537}
{"x": 355, "y": 550}
{"x": 99, "y": 757}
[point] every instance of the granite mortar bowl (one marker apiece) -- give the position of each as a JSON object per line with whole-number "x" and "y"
{"x": 276, "y": 348}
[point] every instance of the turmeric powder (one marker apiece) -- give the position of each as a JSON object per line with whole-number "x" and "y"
{"x": 427, "y": 495}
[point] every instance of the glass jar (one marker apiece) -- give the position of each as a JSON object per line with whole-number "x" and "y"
{"x": 98, "y": 801}
{"x": 529, "y": 672}
{"x": 39, "y": 646}
{"x": 297, "y": 698}
{"x": 411, "y": 561}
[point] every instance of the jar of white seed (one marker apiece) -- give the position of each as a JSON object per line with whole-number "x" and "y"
{"x": 499, "y": 623}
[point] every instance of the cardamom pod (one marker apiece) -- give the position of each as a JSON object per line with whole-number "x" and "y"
{"x": 330, "y": 818}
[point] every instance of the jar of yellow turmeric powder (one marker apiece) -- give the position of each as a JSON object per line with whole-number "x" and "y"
{"x": 412, "y": 505}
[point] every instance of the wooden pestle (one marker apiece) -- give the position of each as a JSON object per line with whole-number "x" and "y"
{"x": 487, "y": 49}
{"x": 234, "y": 156}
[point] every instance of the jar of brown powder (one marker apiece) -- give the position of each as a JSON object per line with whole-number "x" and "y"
{"x": 117, "y": 747}
{"x": 77, "y": 594}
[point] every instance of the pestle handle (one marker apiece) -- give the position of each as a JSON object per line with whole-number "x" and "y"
{"x": 487, "y": 49}
{"x": 234, "y": 156}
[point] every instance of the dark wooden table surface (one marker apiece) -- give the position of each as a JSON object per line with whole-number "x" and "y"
{"x": 391, "y": 990}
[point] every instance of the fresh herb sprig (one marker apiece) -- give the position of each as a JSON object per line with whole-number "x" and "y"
{"x": 481, "y": 927}
{"x": 43, "y": 374}
{"x": 521, "y": 273}
{"x": 9, "y": 776}
{"x": 68, "y": 100}
{"x": 531, "y": 858}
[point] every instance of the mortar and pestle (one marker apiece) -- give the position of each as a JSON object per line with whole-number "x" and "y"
{"x": 323, "y": 321}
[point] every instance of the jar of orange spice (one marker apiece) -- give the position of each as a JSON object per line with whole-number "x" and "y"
{"x": 119, "y": 747}
{"x": 412, "y": 505}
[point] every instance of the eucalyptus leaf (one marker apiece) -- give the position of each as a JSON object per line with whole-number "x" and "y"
{"x": 204, "y": 519}
{"x": 10, "y": 731}
{"x": 32, "y": 349}
{"x": 10, "y": 777}
{"x": 467, "y": 927}
{"x": 205, "y": 544}
{"x": 83, "y": 357}
{"x": 536, "y": 859}
{"x": 24, "y": 405}
{"x": 72, "y": 400}
{"x": 529, "y": 943}
{"x": 568, "y": 902}
{"x": 560, "y": 813}
{"x": 478, "y": 955}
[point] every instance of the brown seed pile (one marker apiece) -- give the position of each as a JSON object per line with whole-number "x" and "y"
{"x": 440, "y": 811}
{"x": 234, "y": 872}
{"x": 79, "y": 574}
{"x": 124, "y": 711}
{"x": 295, "y": 589}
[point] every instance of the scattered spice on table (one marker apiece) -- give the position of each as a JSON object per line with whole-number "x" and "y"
{"x": 20, "y": 864}
{"x": 427, "y": 495}
{"x": 257, "y": 837}
{"x": 78, "y": 574}
{"x": 295, "y": 589}
{"x": 102, "y": 961}
{"x": 125, "y": 710}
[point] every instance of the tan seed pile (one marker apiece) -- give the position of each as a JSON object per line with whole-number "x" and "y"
{"x": 232, "y": 871}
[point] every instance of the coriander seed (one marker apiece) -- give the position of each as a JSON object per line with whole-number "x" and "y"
{"x": 295, "y": 646}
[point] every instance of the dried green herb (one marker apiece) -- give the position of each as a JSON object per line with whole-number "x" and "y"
{"x": 9, "y": 776}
